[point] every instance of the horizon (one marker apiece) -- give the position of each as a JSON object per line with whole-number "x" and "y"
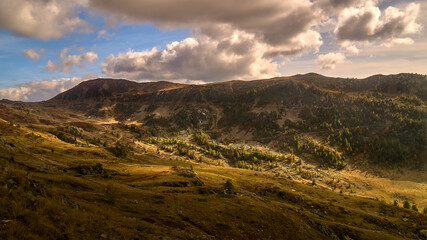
{"x": 197, "y": 84}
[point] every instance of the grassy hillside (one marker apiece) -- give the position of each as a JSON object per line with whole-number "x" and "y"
{"x": 286, "y": 158}
{"x": 57, "y": 190}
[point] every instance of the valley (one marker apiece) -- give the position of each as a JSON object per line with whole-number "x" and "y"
{"x": 299, "y": 157}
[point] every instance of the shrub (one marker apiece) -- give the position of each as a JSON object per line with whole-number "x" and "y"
{"x": 414, "y": 208}
{"x": 406, "y": 205}
{"x": 121, "y": 150}
{"x": 228, "y": 187}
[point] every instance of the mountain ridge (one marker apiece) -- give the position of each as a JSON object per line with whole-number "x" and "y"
{"x": 121, "y": 86}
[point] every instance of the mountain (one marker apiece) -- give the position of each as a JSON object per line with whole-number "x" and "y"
{"x": 101, "y": 89}
{"x": 305, "y": 156}
{"x": 379, "y": 117}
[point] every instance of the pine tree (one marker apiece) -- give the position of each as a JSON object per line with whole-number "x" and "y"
{"x": 406, "y": 205}
{"x": 228, "y": 187}
{"x": 414, "y": 208}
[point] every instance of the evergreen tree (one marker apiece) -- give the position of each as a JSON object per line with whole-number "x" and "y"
{"x": 414, "y": 208}
{"x": 228, "y": 187}
{"x": 406, "y": 205}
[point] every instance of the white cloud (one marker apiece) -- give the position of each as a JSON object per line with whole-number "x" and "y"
{"x": 42, "y": 19}
{"x": 103, "y": 34}
{"x": 238, "y": 56}
{"x": 242, "y": 39}
{"x": 277, "y": 28}
{"x": 215, "y": 52}
{"x": 350, "y": 49}
{"x": 367, "y": 23}
{"x": 329, "y": 61}
{"x": 33, "y": 54}
{"x": 67, "y": 62}
{"x": 51, "y": 66}
{"x": 42, "y": 90}
{"x": 399, "y": 41}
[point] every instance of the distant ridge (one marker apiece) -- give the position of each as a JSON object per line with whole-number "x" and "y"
{"x": 102, "y": 88}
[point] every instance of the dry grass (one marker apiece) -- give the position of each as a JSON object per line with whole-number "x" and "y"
{"x": 144, "y": 197}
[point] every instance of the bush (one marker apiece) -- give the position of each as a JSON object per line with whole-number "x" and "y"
{"x": 425, "y": 210}
{"x": 228, "y": 187}
{"x": 406, "y": 205}
{"x": 414, "y": 208}
{"x": 121, "y": 150}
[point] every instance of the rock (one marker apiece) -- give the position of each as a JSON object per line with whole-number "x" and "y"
{"x": 198, "y": 182}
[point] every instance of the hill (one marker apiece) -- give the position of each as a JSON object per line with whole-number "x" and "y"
{"x": 382, "y": 118}
{"x": 297, "y": 157}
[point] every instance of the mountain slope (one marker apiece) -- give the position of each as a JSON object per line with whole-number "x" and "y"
{"x": 101, "y": 89}
{"x": 381, "y": 118}
{"x": 297, "y": 157}
{"x": 77, "y": 191}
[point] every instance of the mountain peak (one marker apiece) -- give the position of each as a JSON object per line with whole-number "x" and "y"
{"x": 102, "y": 88}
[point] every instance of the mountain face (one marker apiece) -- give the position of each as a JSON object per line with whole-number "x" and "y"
{"x": 301, "y": 157}
{"x": 382, "y": 118}
{"x": 102, "y": 89}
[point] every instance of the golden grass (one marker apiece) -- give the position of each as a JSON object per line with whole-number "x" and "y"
{"x": 144, "y": 197}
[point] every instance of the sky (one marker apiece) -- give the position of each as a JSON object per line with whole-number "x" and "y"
{"x": 49, "y": 46}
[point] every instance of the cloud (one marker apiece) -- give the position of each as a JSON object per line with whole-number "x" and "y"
{"x": 399, "y": 41}
{"x": 277, "y": 23}
{"x": 42, "y": 90}
{"x": 350, "y": 49}
{"x": 367, "y": 23}
{"x": 237, "y": 56}
{"x": 336, "y": 6}
{"x": 229, "y": 39}
{"x": 67, "y": 62}
{"x": 51, "y": 66}
{"x": 103, "y": 34}
{"x": 41, "y": 19}
{"x": 33, "y": 54}
{"x": 328, "y": 61}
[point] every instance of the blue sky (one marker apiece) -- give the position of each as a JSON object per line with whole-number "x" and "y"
{"x": 193, "y": 41}
{"x": 16, "y": 69}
